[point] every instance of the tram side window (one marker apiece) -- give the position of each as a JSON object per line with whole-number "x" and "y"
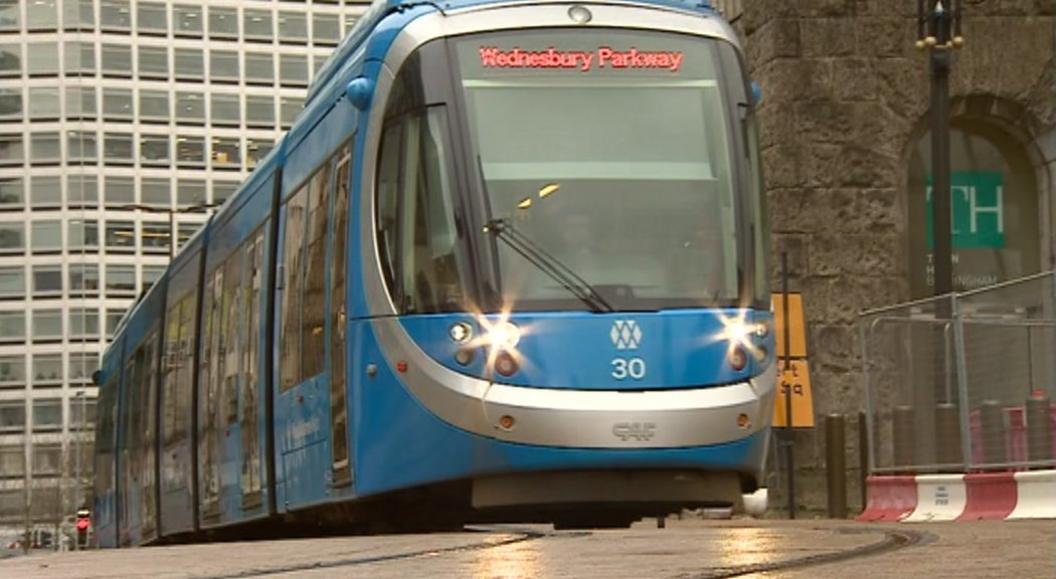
{"x": 312, "y": 335}
{"x": 232, "y": 300}
{"x": 179, "y": 340}
{"x": 169, "y": 364}
{"x": 292, "y": 285}
{"x": 417, "y": 232}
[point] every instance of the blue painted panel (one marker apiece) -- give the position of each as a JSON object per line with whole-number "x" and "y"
{"x": 677, "y": 348}
{"x": 104, "y": 511}
{"x": 399, "y": 443}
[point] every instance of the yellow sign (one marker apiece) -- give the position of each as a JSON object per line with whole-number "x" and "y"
{"x": 797, "y": 379}
{"x": 797, "y": 330}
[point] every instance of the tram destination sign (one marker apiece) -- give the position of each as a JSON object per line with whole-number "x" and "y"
{"x": 603, "y": 57}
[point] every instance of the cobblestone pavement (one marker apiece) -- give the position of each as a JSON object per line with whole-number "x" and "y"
{"x": 684, "y": 550}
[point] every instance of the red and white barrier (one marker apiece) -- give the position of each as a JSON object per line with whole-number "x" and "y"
{"x": 961, "y": 497}
{"x": 1037, "y": 495}
{"x": 940, "y": 497}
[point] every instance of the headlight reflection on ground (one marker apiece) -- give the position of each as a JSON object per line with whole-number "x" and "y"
{"x": 516, "y": 561}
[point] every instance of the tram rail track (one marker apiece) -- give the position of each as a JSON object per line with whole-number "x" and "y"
{"x": 890, "y": 540}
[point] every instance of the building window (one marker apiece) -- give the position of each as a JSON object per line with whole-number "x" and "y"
{"x": 152, "y": 273}
{"x": 82, "y": 366}
{"x": 82, "y": 191}
{"x": 12, "y": 371}
{"x": 42, "y": 16}
{"x": 11, "y": 104}
{"x": 84, "y": 280}
{"x": 189, "y": 63}
{"x": 190, "y": 151}
{"x": 12, "y": 282}
{"x": 47, "y": 325}
{"x": 223, "y": 23}
{"x": 11, "y": 194}
{"x": 185, "y": 231}
{"x": 47, "y": 280}
{"x": 190, "y": 192}
{"x": 11, "y": 151}
{"x": 115, "y": 15}
{"x": 10, "y": 18}
{"x": 257, "y": 149}
{"x": 117, "y": 60}
{"x": 47, "y": 236}
{"x": 289, "y": 108}
{"x": 326, "y": 29}
{"x": 10, "y": 60}
{"x": 42, "y": 59}
{"x": 154, "y": 150}
{"x": 152, "y": 19}
{"x": 12, "y": 416}
{"x": 78, "y": 15}
{"x": 83, "y": 235}
{"x": 223, "y": 190}
{"x": 80, "y": 58}
{"x": 120, "y": 280}
{"x": 47, "y": 458}
{"x": 260, "y": 111}
{"x": 12, "y": 237}
{"x": 44, "y": 103}
{"x": 153, "y": 106}
{"x": 47, "y": 416}
{"x": 293, "y": 70}
{"x": 256, "y": 25}
{"x": 117, "y": 104}
{"x": 84, "y": 323}
{"x": 46, "y": 192}
{"x": 155, "y": 192}
{"x": 120, "y": 237}
{"x": 81, "y": 147}
{"x": 82, "y": 412}
{"x": 293, "y": 28}
{"x": 260, "y": 69}
{"x": 225, "y": 153}
{"x": 113, "y": 319}
{"x": 117, "y": 149}
{"x": 224, "y": 110}
{"x": 45, "y": 149}
{"x": 119, "y": 192}
{"x": 187, "y": 20}
{"x": 47, "y": 370}
{"x": 153, "y": 62}
{"x": 190, "y": 109}
{"x": 223, "y": 66}
{"x": 80, "y": 103}
{"x": 155, "y": 237}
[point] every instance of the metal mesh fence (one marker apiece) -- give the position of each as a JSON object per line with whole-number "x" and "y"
{"x": 963, "y": 382}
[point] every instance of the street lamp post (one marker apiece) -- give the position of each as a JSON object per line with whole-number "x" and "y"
{"x": 939, "y": 32}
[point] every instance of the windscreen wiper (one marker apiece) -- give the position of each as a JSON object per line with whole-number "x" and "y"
{"x": 504, "y": 230}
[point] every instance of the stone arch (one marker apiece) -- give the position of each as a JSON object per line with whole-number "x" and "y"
{"x": 1009, "y": 133}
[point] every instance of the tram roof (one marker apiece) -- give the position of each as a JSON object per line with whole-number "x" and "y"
{"x": 380, "y": 9}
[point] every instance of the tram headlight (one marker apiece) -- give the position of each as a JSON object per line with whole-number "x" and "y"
{"x": 502, "y": 336}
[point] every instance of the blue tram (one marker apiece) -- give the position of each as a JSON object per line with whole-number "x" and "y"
{"x": 510, "y": 263}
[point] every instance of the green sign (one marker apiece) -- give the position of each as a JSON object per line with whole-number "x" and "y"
{"x": 978, "y": 210}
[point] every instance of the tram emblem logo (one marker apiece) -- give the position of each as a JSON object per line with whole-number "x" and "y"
{"x": 625, "y": 334}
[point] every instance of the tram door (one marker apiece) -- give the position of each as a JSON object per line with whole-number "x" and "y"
{"x": 342, "y": 468}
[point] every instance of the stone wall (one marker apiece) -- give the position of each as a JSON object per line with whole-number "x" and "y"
{"x": 845, "y": 96}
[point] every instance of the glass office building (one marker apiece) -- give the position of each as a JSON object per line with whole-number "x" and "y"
{"x": 115, "y": 114}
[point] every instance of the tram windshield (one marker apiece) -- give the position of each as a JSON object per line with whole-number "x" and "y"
{"x": 610, "y": 151}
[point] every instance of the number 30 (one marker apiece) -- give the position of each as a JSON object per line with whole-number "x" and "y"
{"x": 622, "y": 368}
